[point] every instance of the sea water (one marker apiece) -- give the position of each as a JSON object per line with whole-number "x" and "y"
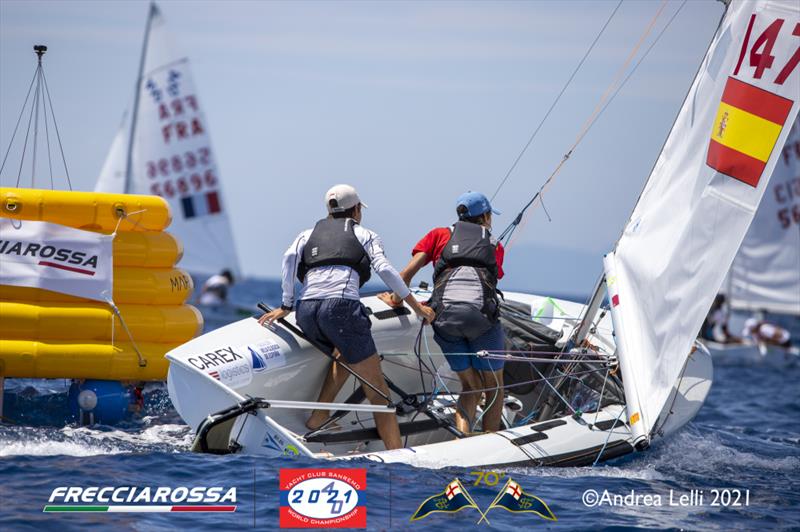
{"x": 745, "y": 440}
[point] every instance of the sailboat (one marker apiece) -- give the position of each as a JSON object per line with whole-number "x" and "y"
{"x": 764, "y": 279}
{"x": 163, "y": 148}
{"x": 602, "y": 382}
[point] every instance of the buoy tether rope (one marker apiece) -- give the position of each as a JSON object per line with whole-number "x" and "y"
{"x": 120, "y": 210}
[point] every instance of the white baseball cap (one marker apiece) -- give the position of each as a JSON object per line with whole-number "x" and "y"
{"x": 345, "y": 196}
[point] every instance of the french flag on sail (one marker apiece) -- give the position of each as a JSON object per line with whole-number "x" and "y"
{"x": 200, "y": 205}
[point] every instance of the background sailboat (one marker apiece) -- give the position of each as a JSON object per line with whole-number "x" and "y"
{"x": 163, "y": 148}
{"x": 665, "y": 270}
{"x": 766, "y": 271}
{"x": 764, "y": 279}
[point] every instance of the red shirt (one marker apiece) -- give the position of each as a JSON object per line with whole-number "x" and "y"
{"x": 433, "y": 243}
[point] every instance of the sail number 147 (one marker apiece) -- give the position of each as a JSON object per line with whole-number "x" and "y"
{"x": 760, "y": 54}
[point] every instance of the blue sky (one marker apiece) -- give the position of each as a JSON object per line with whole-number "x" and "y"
{"x": 411, "y": 102}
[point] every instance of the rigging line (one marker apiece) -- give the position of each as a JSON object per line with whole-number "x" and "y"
{"x": 555, "y": 102}
{"x": 553, "y": 388}
{"x": 610, "y": 431}
{"x": 524, "y": 383}
{"x": 593, "y": 117}
{"x": 37, "y": 101}
{"x": 55, "y": 126}
{"x": 600, "y": 399}
{"x": 21, "y": 112}
{"x": 47, "y": 136}
{"x": 683, "y": 102}
{"x": 497, "y": 388}
{"x": 27, "y": 133}
{"x": 644, "y": 55}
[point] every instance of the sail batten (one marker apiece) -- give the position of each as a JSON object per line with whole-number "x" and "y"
{"x": 164, "y": 149}
{"x": 700, "y": 199}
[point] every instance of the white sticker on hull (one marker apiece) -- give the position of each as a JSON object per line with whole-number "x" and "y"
{"x": 226, "y": 364}
{"x": 265, "y": 355}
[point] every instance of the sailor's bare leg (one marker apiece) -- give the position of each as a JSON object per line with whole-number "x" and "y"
{"x": 334, "y": 380}
{"x": 492, "y": 416}
{"x": 467, "y": 402}
{"x": 389, "y": 430}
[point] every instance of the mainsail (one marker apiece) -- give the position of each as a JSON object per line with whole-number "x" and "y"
{"x": 766, "y": 271}
{"x": 165, "y": 149}
{"x": 700, "y": 198}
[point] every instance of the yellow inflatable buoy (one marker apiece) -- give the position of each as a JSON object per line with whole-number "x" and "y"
{"x": 45, "y": 334}
{"x": 141, "y": 286}
{"x": 146, "y": 249}
{"x": 98, "y": 322}
{"x": 93, "y": 211}
{"x": 84, "y": 360}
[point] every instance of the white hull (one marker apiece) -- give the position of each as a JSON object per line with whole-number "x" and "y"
{"x": 203, "y": 385}
{"x": 751, "y": 353}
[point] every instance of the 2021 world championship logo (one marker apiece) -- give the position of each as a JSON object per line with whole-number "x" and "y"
{"x": 323, "y": 498}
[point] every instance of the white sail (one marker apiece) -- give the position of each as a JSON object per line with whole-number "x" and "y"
{"x": 112, "y": 175}
{"x": 171, "y": 155}
{"x": 766, "y": 271}
{"x": 700, "y": 199}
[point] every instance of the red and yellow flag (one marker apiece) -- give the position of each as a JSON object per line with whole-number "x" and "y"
{"x": 746, "y": 128}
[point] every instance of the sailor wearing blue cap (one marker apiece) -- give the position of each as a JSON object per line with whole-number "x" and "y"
{"x": 467, "y": 265}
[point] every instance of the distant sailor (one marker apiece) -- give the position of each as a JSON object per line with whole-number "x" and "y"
{"x": 215, "y": 289}
{"x": 715, "y": 326}
{"x": 333, "y": 261}
{"x": 764, "y": 333}
{"x": 467, "y": 265}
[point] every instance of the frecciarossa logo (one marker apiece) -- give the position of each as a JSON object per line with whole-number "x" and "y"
{"x": 52, "y": 256}
{"x": 214, "y": 359}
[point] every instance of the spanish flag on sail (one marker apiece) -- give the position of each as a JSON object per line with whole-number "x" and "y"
{"x": 746, "y": 128}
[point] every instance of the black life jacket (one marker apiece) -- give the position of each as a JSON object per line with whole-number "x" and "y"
{"x": 333, "y": 243}
{"x": 465, "y": 282}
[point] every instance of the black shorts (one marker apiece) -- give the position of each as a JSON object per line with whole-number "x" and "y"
{"x": 338, "y": 323}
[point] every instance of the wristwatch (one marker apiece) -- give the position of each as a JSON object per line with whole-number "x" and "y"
{"x": 289, "y": 309}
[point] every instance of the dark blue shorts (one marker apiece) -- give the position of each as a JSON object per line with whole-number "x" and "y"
{"x": 491, "y": 340}
{"x": 338, "y": 323}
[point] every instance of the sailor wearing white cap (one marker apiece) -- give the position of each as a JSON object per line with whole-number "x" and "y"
{"x": 333, "y": 260}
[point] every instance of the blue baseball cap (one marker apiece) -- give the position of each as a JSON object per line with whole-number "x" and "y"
{"x": 476, "y": 203}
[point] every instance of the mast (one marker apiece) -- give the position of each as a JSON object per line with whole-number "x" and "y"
{"x": 129, "y": 155}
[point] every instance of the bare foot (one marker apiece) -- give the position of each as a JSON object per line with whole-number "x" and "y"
{"x": 317, "y": 419}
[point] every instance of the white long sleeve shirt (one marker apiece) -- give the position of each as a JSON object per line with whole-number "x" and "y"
{"x": 326, "y": 282}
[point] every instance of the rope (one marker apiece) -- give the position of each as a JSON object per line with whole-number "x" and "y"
{"x": 523, "y": 383}
{"x": 47, "y": 137}
{"x": 644, "y": 55}
{"x": 600, "y": 359}
{"x": 600, "y": 400}
{"x": 142, "y": 360}
{"x": 55, "y": 126}
{"x": 518, "y": 221}
{"x": 494, "y": 398}
{"x": 36, "y": 128}
{"x": 610, "y": 431}
{"x": 28, "y": 130}
{"x": 110, "y": 301}
{"x": 21, "y": 112}
{"x": 553, "y": 105}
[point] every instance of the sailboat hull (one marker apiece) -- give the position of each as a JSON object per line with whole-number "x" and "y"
{"x": 245, "y": 360}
